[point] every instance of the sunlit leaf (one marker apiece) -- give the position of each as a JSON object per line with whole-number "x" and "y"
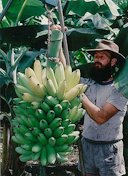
{"x": 32, "y": 8}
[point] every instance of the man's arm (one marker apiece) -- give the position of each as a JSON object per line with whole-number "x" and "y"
{"x": 99, "y": 115}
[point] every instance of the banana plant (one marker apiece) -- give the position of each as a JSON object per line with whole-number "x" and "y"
{"x": 9, "y": 66}
{"x": 81, "y": 23}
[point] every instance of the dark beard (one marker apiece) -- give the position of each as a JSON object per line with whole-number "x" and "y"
{"x": 101, "y": 74}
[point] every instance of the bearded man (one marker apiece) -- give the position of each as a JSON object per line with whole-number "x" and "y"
{"x": 105, "y": 110}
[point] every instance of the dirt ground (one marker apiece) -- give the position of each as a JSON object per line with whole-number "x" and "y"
{"x": 68, "y": 168}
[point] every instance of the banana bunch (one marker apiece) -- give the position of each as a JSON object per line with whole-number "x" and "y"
{"x": 36, "y": 83}
{"x": 46, "y": 112}
{"x": 44, "y": 131}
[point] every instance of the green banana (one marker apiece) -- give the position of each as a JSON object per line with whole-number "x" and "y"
{"x": 40, "y": 114}
{"x": 36, "y": 156}
{"x": 20, "y": 138}
{"x": 72, "y": 139}
{"x": 45, "y": 107}
{"x": 58, "y": 132}
{"x": 23, "y": 121}
{"x": 20, "y": 150}
{"x": 43, "y": 157}
{"x": 30, "y": 111}
{"x": 14, "y": 139}
{"x": 35, "y": 131}
{"x": 15, "y": 122}
{"x": 55, "y": 123}
{"x": 65, "y": 113}
{"x": 30, "y": 136}
{"x": 51, "y": 101}
{"x": 16, "y": 100}
{"x": 69, "y": 129}
{"x": 58, "y": 109}
{"x": 62, "y": 140}
{"x": 22, "y": 80}
{"x": 27, "y": 147}
{"x": 18, "y": 94}
{"x": 25, "y": 158}
{"x": 51, "y": 154}
{"x": 23, "y": 129}
{"x": 52, "y": 141}
{"x": 22, "y": 104}
{"x": 33, "y": 122}
{"x": 43, "y": 124}
{"x": 36, "y": 148}
{"x": 30, "y": 97}
{"x": 42, "y": 139}
{"x": 62, "y": 148}
{"x": 19, "y": 110}
{"x": 21, "y": 89}
{"x": 50, "y": 116}
{"x": 69, "y": 149}
{"x": 73, "y": 113}
{"x": 16, "y": 130}
{"x": 35, "y": 105}
{"x": 65, "y": 123}
{"x": 48, "y": 132}
{"x": 75, "y": 102}
{"x": 65, "y": 104}
{"x": 80, "y": 113}
{"x": 61, "y": 158}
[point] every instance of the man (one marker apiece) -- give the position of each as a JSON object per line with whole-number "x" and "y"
{"x": 105, "y": 110}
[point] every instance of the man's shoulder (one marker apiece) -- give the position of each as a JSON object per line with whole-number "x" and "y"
{"x": 87, "y": 81}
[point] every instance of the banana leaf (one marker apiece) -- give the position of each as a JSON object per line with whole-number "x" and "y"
{"x": 122, "y": 40}
{"x": 29, "y": 8}
{"x": 121, "y": 80}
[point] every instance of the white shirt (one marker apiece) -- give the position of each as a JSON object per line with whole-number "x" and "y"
{"x": 99, "y": 95}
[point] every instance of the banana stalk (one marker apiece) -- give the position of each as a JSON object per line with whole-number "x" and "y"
{"x": 54, "y": 47}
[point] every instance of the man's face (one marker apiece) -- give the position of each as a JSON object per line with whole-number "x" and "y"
{"x": 102, "y": 68}
{"x": 102, "y": 59}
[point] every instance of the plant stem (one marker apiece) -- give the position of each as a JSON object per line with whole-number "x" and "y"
{"x": 12, "y": 63}
{"x": 64, "y": 34}
{"x": 20, "y": 13}
{"x": 42, "y": 171}
{"x": 5, "y": 147}
{"x": 5, "y": 9}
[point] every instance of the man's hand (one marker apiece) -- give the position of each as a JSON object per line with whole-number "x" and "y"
{"x": 99, "y": 115}
{"x": 57, "y": 27}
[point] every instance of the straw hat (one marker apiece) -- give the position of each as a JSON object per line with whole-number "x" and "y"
{"x": 107, "y": 45}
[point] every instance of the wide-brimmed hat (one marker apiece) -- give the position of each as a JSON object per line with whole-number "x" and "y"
{"x": 107, "y": 45}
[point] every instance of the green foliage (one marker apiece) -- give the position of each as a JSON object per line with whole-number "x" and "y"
{"x": 22, "y": 9}
{"x": 123, "y": 4}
